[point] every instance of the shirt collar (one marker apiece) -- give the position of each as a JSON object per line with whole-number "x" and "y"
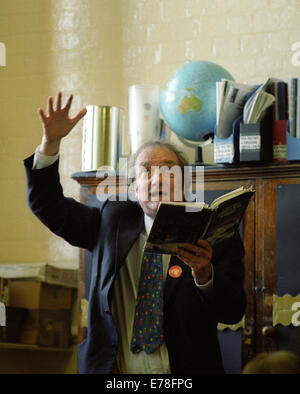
{"x": 148, "y": 223}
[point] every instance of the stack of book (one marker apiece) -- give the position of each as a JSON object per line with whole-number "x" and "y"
{"x": 280, "y": 115}
{"x": 276, "y": 102}
{"x": 294, "y": 106}
{"x": 235, "y": 100}
{"x": 241, "y": 131}
{"x": 286, "y": 119}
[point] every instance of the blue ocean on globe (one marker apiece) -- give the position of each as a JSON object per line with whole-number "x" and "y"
{"x": 188, "y": 100}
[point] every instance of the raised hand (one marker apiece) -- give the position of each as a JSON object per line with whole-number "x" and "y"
{"x": 57, "y": 123}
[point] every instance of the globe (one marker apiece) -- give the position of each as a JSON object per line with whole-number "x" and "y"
{"x": 188, "y": 100}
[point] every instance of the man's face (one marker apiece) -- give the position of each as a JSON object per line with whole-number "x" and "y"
{"x": 158, "y": 178}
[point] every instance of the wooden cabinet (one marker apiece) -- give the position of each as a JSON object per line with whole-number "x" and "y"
{"x": 270, "y": 231}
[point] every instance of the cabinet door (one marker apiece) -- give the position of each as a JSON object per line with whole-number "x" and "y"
{"x": 237, "y": 341}
{"x": 280, "y": 267}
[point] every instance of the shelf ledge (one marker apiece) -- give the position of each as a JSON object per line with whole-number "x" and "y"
{"x": 22, "y": 346}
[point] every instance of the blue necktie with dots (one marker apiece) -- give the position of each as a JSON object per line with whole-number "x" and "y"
{"x": 147, "y": 332}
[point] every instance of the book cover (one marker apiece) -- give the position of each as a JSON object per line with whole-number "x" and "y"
{"x": 179, "y": 223}
{"x": 282, "y": 100}
{"x": 292, "y": 106}
{"x": 298, "y": 109}
{"x": 279, "y": 140}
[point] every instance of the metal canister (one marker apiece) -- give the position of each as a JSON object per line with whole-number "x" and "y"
{"x": 102, "y": 138}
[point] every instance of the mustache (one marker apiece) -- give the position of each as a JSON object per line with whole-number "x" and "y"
{"x": 158, "y": 195}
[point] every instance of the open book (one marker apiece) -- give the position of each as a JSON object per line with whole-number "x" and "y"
{"x": 177, "y": 223}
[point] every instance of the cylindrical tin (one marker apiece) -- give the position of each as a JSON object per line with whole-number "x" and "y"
{"x": 144, "y": 122}
{"x": 103, "y": 131}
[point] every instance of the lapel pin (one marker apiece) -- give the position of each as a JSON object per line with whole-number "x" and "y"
{"x": 175, "y": 271}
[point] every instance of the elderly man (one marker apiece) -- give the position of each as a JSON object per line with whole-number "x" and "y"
{"x": 176, "y": 332}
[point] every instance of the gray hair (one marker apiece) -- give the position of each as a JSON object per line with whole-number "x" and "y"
{"x": 182, "y": 159}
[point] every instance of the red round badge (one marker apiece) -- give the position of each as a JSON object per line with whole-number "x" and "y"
{"x": 175, "y": 271}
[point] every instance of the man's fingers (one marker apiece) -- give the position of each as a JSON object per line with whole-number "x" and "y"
{"x": 80, "y": 115}
{"x": 60, "y": 114}
{"x": 204, "y": 244}
{"x": 50, "y": 106}
{"x": 42, "y": 115}
{"x": 69, "y": 102}
{"x": 198, "y": 250}
{"x": 186, "y": 261}
{"x": 58, "y": 101}
{"x": 191, "y": 256}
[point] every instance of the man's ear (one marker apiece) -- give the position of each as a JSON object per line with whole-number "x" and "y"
{"x": 135, "y": 186}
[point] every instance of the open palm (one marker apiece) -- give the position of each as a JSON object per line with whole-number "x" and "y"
{"x": 57, "y": 123}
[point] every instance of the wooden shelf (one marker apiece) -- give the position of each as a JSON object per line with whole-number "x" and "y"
{"x": 211, "y": 173}
{"x": 22, "y": 346}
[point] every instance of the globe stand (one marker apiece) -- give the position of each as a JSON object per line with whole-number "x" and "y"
{"x": 198, "y": 145}
{"x": 199, "y": 156}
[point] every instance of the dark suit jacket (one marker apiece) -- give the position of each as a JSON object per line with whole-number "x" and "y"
{"x": 190, "y": 316}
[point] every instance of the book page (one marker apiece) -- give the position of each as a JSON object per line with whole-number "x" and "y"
{"x": 185, "y": 204}
{"x": 227, "y": 218}
{"x": 230, "y": 195}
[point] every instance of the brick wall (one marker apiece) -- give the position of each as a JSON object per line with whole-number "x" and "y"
{"x": 23, "y": 84}
{"x": 96, "y": 49}
{"x": 252, "y": 39}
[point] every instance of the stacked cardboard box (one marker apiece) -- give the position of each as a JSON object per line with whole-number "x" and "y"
{"x": 43, "y": 293}
{"x": 55, "y": 274}
{"x": 48, "y": 320}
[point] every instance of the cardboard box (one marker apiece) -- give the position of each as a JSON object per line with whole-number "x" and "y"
{"x": 4, "y": 291}
{"x": 48, "y": 320}
{"x": 14, "y": 321}
{"x": 250, "y": 142}
{"x": 292, "y": 147}
{"x": 226, "y": 151}
{"x": 47, "y": 328}
{"x": 63, "y": 274}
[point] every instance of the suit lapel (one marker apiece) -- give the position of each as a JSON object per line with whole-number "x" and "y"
{"x": 172, "y": 283}
{"x": 129, "y": 227}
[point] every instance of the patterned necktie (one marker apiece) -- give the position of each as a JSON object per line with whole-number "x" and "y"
{"x": 147, "y": 332}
